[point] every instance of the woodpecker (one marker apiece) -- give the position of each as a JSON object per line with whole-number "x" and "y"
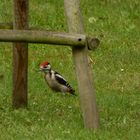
{"x": 54, "y": 80}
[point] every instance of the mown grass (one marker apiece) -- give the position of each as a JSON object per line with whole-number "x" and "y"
{"x": 116, "y": 70}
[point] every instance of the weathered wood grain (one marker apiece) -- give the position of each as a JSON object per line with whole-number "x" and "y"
{"x": 56, "y": 38}
{"x": 20, "y": 56}
{"x": 80, "y": 57}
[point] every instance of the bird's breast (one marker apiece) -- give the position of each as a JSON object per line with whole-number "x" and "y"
{"x": 51, "y": 82}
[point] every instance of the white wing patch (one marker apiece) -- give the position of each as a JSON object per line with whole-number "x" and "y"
{"x": 58, "y": 75}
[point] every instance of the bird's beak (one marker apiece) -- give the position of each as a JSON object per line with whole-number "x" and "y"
{"x": 40, "y": 70}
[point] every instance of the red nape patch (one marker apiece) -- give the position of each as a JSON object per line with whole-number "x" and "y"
{"x": 44, "y": 63}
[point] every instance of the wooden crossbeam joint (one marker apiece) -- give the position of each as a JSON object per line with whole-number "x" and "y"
{"x": 92, "y": 43}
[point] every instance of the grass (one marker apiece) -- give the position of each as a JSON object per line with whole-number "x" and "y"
{"x": 116, "y": 69}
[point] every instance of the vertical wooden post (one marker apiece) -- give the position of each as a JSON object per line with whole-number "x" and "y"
{"x": 80, "y": 57}
{"x": 20, "y": 56}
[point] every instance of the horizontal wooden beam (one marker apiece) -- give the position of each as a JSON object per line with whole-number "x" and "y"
{"x": 56, "y": 38}
{"x": 42, "y": 37}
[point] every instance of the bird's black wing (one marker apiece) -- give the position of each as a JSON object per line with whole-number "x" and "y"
{"x": 61, "y": 80}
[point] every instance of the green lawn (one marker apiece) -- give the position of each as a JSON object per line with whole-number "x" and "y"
{"x": 116, "y": 70}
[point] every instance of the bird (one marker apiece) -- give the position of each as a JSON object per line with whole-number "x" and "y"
{"x": 54, "y": 80}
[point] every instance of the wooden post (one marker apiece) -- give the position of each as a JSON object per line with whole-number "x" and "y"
{"x": 80, "y": 57}
{"x": 20, "y": 56}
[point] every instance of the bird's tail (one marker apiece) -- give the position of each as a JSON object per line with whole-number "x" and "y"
{"x": 72, "y": 91}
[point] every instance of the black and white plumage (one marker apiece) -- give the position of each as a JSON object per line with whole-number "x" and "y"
{"x": 54, "y": 80}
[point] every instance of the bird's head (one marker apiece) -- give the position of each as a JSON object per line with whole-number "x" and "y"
{"x": 45, "y": 66}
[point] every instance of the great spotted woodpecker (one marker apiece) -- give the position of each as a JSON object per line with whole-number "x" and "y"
{"x": 54, "y": 80}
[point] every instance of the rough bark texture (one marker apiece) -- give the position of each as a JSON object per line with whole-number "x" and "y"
{"x": 80, "y": 57}
{"x": 20, "y": 56}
